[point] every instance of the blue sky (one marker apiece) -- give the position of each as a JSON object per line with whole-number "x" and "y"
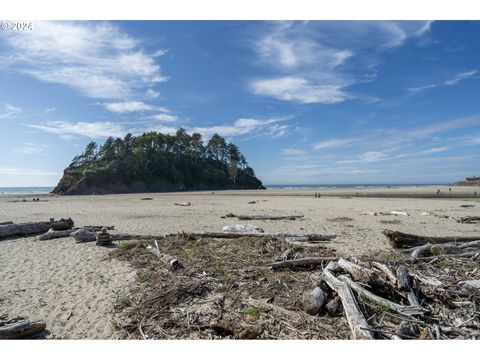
{"x": 320, "y": 102}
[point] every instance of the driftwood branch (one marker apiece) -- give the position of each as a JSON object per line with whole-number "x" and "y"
{"x": 404, "y": 282}
{"x": 54, "y": 234}
{"x": 167, "y": 260}
{"x": 359, "y": 273}
{"x": 301, "y": 263}
{"x": 269, "y": 217}
{"x": 33, "y": 228}
{"x": 22, "y": 330}
{"x": 445, "y": 248}
{"x": 355, "y": 318}
{"x": 403, "y": 240}
{"x": 386, "y": 271}
{"x": 402, "y": 309}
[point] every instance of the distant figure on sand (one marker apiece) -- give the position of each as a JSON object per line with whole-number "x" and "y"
{"x": 438, "y": 192}
{"x": 316, "y": 195}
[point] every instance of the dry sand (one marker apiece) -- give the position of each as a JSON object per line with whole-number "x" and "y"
{"x": 67, "y": 285}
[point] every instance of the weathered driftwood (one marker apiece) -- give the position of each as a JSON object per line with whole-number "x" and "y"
{"x": 269, "y": 217}
{"x": 288, "y": 254}
{"x": 301, "y": 263}
{"x": 6, "y": 222}
{"x": 97, "y": 227}
{"x": 242, "y": 229}
{"x": 445, "y": 248}
{"x": 469, "y": 220}
{"x": 404, "y": 282}
{"x": 82, "y": 235}
{"x": 386, "y": 271}
{"x": 313, "y": 301}
{"x": 22, "y": 330}
{"x": 359, "y": 273}
{"x": 470, "y": 285}
{"x": 167, "y": 260}
{"x": 355, "y": 318}
{"x": 403, "y": 240}
{"x": 402, "y": 309}
{"x": 34, "y": 228}
{"x": 54, "y": 234}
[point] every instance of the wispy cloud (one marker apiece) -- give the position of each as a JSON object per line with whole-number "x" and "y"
{"x": 461, "y": 76}
{"x": 97, "y": 59}
{"x": 165, "y": 117}
{"x": 293, "y": 153}
{"x": 435, "y": 150}
{"x": 30, "y": 148}
{"x": 310, "y": 59}
{"x": 125, "y": 107}
{"x": 93, "y": 130}
{"x": 8, "y": 110}
{"x": 372, "y": 156}
{"x": 454, "y": 80}
{"x": 240, "y": 127}
{"x": 332, "y": 143}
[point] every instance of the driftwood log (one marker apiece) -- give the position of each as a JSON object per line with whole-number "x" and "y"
{"x": 403, "y": 240}
{"x": 469, "y": 220}
{"x": 386, "y": 271}
{"x": 360, "y": 273}
{"x": 355, "y": 318}
{"x": 6, "y": 222}
{"x": 308, "y": 262}
{"x": 445, "y": 248}
{"x": 22, "y": 330}
{"x": 269, "y": 217}
{"x": 402, "y": 309}
{"x": 54, "y": 234}
{"x": 34, "y": 228}
{"x": 404, "y": 282}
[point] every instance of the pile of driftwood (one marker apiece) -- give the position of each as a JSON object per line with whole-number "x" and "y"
{"x": 11, "y": 230}
{"x": 19, "y": 328}
{"x": 434, "y": 246}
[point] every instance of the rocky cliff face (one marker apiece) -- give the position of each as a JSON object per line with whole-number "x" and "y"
{"x": 467, "y": 183}
{"x": 74, "y": 183}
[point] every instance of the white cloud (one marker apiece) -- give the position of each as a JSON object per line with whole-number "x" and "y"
{"x": 91, "y": 130}
{"x": 129, "y": 106}
{"x": 293, "y": 153}
{"x": 460, "y": 77}
{"x": 164, "y": 117}
{"x": 299, "y": 89}
{"x": 96, "y": 58}
{"x": 372, "y": 156}
{"x": 241, "y": 126}
{"x": 30, "y": 148}
{"x": 50, "y": 109}
{"x": 326, "y": 144}
{"x": 152, "y": 93}
{"x": 7, "y": 110}
{"x": 435, "y": 150}
{"x": 311, "y": 58}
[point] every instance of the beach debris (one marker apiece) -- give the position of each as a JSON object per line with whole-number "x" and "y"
{"x": 288, "y": 254}
{"x": 467, "y": 205}
{"x": 404, "y": 282}
{"x": 368, "y": 213}
{"x": 171, "y": 262}
{"x": 54, "y": 234}
{"x": 383, "y": 213}
{"x": 313, "y": 301}
{"x": 82, "y": 235}
{"x": 242, "y": 229}
{"x": 252, "y": 202}
{"x": 356, "y": 320}
{"x": 302, "y": 263}
{"x": 98, "y": 227}
{"x": 183, "y": 204}
{"x": 399, "y": 213}
{"x": 103, "y": 238}
{"x": 341, "y": 219}
{"x": 469, "y": 220}
{"x": 264, "y": 217}
{"x": 147, "y": 198}
{"x": 22, "y": 329}
{"x": 400, "y": 239}
{"x": 34, "y": 228}
{"x": 6, "y": 223}
{"x": 470, "y": 285}
{"x": 390, "y": 222}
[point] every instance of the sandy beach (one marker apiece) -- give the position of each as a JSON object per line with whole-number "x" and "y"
{"x": 73, "y": 286}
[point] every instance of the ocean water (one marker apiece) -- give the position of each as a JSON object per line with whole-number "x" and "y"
{"x": 345, "y": 186}
{"x": 26, "y": 190}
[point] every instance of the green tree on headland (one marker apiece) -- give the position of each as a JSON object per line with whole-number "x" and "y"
{"x": 159, "y": 162}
